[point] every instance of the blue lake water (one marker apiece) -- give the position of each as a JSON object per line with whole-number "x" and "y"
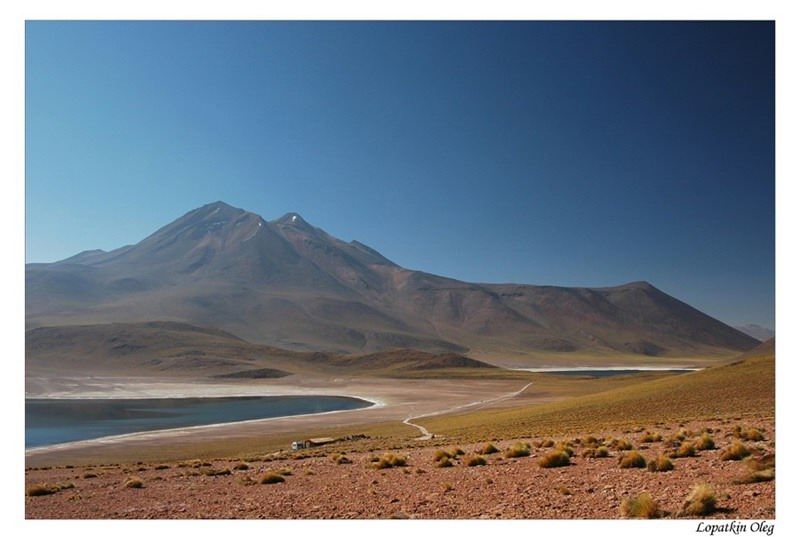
{"x": 55, "y": 421}
{"x": 611, "y": 372}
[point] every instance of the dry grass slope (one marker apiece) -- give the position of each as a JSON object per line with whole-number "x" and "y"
{"x": 746, "y": 387}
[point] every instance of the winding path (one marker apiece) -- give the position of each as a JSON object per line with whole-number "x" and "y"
{"x": 426, "y": 435}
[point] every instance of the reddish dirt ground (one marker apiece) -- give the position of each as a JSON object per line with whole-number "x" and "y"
{"x": 505, "y": 488}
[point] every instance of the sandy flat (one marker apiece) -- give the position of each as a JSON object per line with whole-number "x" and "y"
{"x": 395, "y": 400}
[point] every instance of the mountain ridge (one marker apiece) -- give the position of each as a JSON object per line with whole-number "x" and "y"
{"x": 287, "y": 283}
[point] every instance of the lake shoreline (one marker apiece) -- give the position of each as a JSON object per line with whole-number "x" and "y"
{"x": 177, "y": 431}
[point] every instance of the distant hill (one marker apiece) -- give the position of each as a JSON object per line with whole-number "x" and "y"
{"x": 169, "y": 349}
{"x": 288, "y": 284}
{"x": 758, "y": 332}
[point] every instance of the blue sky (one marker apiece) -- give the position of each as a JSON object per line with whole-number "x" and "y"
{"x": 579, "y": 154}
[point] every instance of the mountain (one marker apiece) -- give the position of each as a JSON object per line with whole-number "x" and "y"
{"x": 289, "y": 284}
{"x": 755, "y": 331}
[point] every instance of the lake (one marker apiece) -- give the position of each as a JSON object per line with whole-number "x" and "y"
{"x": 598, "y": 373}
{"x": 55, "y": 421}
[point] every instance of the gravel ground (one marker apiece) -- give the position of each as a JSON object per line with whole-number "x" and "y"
{"x": 505, "y": 488}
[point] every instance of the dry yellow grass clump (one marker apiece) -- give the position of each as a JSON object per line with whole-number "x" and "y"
{"x": 705, "y": 442}
{"x": 390, "y": 460}
{"x": 554, "y": 459}
{"x": 632, "y": 459}
{"x": 700, "y": 502}
{"x": 488, "y": 449}
{"x": 641, "y": 506}
{"x": 520, "y": 449}
{"x": 271, "y": 478}
{"x": 43, "y": 489}
{"x": 595, "y": 453}
{"x": 735, "y": 452}
{"x": 660, "y": 464}
{"x": 685, "y": 450}
{"x": 475, "y": 460}
{"x": 133, "y": 483}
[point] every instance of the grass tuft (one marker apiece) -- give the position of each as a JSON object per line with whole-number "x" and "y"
{"x": 632, "y": 459}
{"x": 488, "y": 449}
{"x": 475, "y": 460}
{"x": 650, "y": 437}
{"x": 686, "y": 449}
{"x": 390, "y": 460}
{"x": 519, "y": 449}
{"x": 700, "y": 502}
{"x": 210, "y": 472}
{"x": 661, "y": 464}
{"x": 641, "y": 506}
{"x": 271, "y": 478}
{"x": 553, "y": 459}
{"x": 40, "y": 490}
{"x": 620, "y": 444}
{"x": 440, "y": 454}
{"x": 735, "y": 452}
{"x": 133, "y": 483}
{"x": 705, "y": 442}
{"x": 754, "y": 435}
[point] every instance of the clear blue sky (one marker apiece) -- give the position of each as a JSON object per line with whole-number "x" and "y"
{"x": 578, "y": 154}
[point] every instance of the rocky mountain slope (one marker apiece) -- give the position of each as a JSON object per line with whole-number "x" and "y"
{"x": 289, "y": 284}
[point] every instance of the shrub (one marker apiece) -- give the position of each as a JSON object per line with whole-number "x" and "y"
{"x": 700, "y": 502}
{"x": 475, "y": 460}
{"x": 519, "y": 449}
{"x": 633, "y": 459}
{"x": 284, "y": 471}
{"x": 553, "y": 459}
{"x": 162, "y": 466}
{"x": 705, "y": 442}
{"x": 757, "y": 477}
{"x": 210, "y": 472}
{"x": 133, "y": 483}
{"x": 271, "y": 478}
{"x": 444, "y": 462}
{"x": 650, "y": 437}
{"x": 548, "y": 443}
{"x": 390, "y": 460}
{"x": 456, "y": 452}
{"x": 685, "y": 450}
{"x": 641, "y": 506}
{"x": 566, "y": 448}
{"x": 440, "y": 454}
{"x": 590, "y": 441}
{"x": 754, "y": 435}
{"x": 620, "y": 444}
{"x": 596, "y": 453}
{"x": 488, "y": 449}
{"x": 760, "y": 469}
{"x": 660, "y": 464}
{"x": 735, "y": 452}
{"x": 242, "y": 466}
{"x": 40, "y": 490}
{"x": 89, "y": 475}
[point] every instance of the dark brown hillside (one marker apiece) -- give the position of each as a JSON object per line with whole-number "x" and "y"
{"x": 169, "y": 349}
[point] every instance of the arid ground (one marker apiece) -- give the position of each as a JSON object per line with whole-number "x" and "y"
{"x": 715, "y": 427}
